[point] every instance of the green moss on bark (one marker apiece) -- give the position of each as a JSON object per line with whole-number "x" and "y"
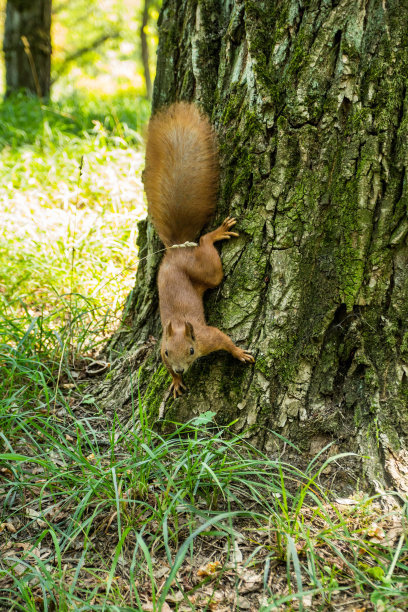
{"x": 310, "y": 106}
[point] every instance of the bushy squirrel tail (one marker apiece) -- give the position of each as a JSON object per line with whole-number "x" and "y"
{"x": 181, "y": 173}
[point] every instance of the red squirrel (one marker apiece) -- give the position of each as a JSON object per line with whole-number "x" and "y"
{"x": 181, "y": 183}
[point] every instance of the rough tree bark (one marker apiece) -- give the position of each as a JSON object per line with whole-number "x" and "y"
{"x": 309, "y": 101}
{"x": 27, "y": 46}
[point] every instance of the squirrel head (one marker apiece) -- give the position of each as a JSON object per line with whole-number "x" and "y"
{"x": 179, "y": 347}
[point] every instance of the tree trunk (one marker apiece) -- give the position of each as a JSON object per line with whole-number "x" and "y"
{"x": 27, "y": 46}
{"x": 309, "y": 102}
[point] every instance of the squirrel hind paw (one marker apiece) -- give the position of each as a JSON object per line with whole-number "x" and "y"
{"x": 223, "y": 232}
{"x": 229, "y": 222}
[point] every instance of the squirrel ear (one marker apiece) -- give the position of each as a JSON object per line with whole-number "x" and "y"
{"x": 189, "y": 330}
{"x": 169, "y": 330}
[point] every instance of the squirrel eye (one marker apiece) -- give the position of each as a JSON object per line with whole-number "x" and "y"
{"x": 166, "y": 352}
{"x": 191, "y": 351}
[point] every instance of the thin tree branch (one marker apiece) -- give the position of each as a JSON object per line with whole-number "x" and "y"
{"x": 82, "y": 51}
{"x": 27, "y": 49}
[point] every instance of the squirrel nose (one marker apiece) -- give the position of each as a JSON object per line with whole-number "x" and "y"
{"x": 180, "y": 371}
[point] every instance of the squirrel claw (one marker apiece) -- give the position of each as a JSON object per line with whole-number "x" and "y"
{"x": 244, "y": 355}
{"x": 228, "y": 222}
{"x": 178, "y": 388}
{"x": 227, "y": 235}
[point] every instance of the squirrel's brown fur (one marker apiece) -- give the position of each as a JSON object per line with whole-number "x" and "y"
{"x": 181, "y": 173}
{"x": 181, "y": 182}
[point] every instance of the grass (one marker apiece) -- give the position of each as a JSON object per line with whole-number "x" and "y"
{"x": 98, "y": 515}
{"x": 76, "y": 177}
{"x": 96, "y": 512}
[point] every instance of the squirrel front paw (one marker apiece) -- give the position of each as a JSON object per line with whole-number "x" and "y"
{"x": 243, "y": 355}
{"x": 177, "y": 387}
{"x": 223, "y": 232}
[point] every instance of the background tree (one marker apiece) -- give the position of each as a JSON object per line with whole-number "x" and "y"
{"x": 146, "y": 28}
{"x": 27, "y": 46}
{"x": 117, "y": 49}
{"x": 115, "y": 54}
{"x": 309, "y": 102}
{"x": 145, "y": 48}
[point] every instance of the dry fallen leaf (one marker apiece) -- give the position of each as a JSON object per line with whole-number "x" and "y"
{"x": 9, "y": 526}
{"x": 235, "y": 554}
{"x": 36, "y": 514}
{"x": 244, "y": 603}
{"x": 6, "y": 471}
{"x": 376, "y": 533}
{"x": 393, "y": 535}
{"x": 250, "y": 581}
{"x": 307, "y": 600}
{"x": 148, "y": 607}
{"x": 175, "y": 597}
{"x": 346, "y": 501}
{"x": 18, "y": 568}
{"x": 210, "y": 569}
{"x": 162, "y": 571}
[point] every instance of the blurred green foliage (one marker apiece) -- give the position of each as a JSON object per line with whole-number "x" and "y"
{"x": 95, "y": 119}
{"x": 26, "y": 121}
{"x": 70, "y": 198}
{"x": 96, "y": 45}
